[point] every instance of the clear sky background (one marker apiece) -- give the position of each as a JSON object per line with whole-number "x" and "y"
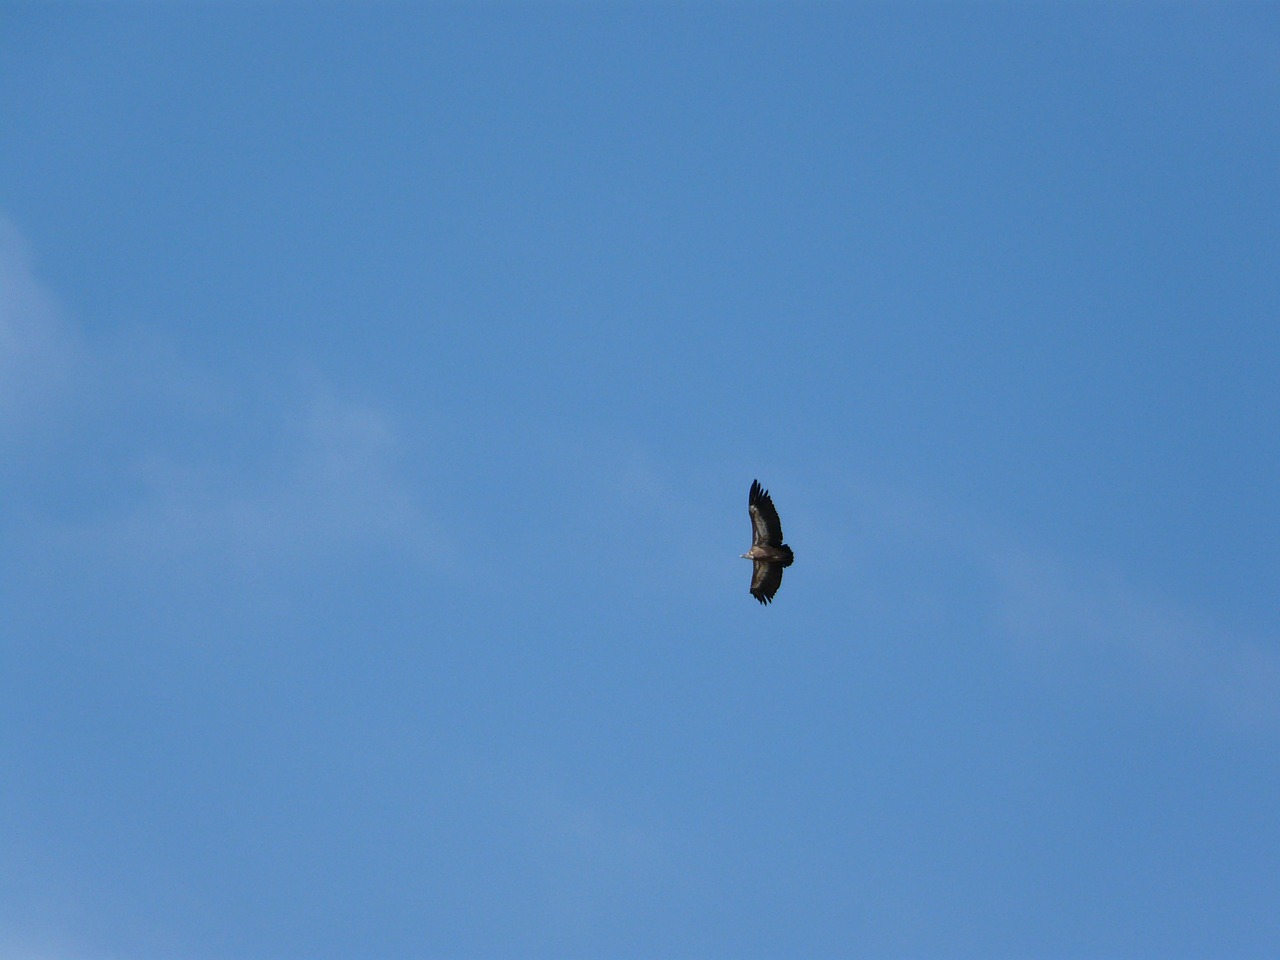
{"x": 380, "y": 388}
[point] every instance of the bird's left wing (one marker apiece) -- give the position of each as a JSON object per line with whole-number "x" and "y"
{"x": 766, "y": 578}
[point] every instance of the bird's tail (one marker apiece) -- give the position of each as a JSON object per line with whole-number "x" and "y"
{"x": 786, "y": 560}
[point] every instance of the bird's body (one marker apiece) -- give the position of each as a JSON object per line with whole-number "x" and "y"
{"x": 768, "y": 553}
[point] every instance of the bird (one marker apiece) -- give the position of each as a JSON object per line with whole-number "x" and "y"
{"x": 768, "y": 553}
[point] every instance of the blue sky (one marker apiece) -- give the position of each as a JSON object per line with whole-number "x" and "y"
{"x": 380, "y": 387}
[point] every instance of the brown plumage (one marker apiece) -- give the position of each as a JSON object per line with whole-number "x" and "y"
{"x": 768, "y": 553}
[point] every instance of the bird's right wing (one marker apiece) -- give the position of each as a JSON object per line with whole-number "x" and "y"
{"x": 765, "y": 525}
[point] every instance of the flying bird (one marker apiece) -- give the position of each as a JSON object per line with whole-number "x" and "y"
{"x": 768, "y": 553}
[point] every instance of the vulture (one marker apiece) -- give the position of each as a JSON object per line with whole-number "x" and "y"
{"x": 768, "y": 553}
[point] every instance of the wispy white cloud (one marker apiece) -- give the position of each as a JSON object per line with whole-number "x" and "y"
{"x": 1099, "y": 623}
{"x": 326, "y": 480}
{"x": 1081, "y": 623}
{"x": 177, "y": 500}
{"x": 39, "y": 351}
{"x": 15, "y": 946}
{"x": 178, "y": 465}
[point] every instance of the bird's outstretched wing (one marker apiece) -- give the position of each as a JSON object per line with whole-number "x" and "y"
{"x": 765, "y": 525}
{"x": 766, "y": 578}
